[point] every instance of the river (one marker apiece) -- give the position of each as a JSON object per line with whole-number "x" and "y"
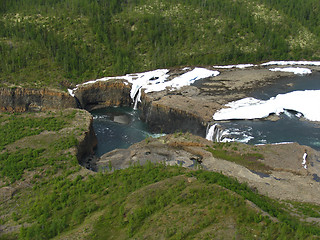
{"x": 120, "y": 127}
{"x": 289, "y": 127}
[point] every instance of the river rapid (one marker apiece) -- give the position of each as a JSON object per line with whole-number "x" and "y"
{"x": 290, "y": 127}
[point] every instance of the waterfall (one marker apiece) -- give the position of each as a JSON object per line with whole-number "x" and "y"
{"x": 214, "y": 133}
{"x": 137, "y": 98}
{"x": 78, "y": 102}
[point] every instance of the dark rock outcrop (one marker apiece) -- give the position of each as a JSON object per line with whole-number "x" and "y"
{"x": 88, "y": 142}
{"x": 160, "y": 118}
{"x": 166, "y": 119}
{"x": 104, "y": 94}
{"x": 22, "y": 99}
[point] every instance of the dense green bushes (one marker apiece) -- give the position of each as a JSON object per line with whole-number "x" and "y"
{"x": 16, "y": 126}
{"x": 14, "y": 162}
{"x": 66, "y": 202}
{"x": 12, "y": 165}
{"x": 81, "y": 39}
{"x": 182, "y": 202}
{"x": 290, "y": 225}
{"x": 71, "y": 200}
{"x": 201, "y": 204}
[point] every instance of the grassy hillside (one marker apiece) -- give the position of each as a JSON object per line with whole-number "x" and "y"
{"x": 45, "y": 194}
{"x": 61, "y": 42}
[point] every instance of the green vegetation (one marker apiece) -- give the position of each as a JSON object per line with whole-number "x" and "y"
{"x": 132, "y": 200}
{"x": 61, "y": 42}
{"x": 12, "y": 165}
{"x": 54, "y": 197}
{"x": 16, "y": 127}
{"x": 66, "y": 143}
{"x": 44, "y": 191}
{"x": 307, "y": 209}
{"x": 230, "y": 152}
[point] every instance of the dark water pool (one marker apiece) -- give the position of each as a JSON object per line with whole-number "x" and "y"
{"x": 117, "y": 128}
{"x": 288, "y": 84}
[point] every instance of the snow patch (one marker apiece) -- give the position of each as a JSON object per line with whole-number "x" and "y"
{"x": 304, "y": 102}
{"x": 241, "y": 66}
{"x": 280, "y": 143}
{"x": 186, "y": 68}
{"x": 70, "y": 91}
{"x": 301, "y": 71}
{"x": 311, "y": 63}
{"x": 157, "y": 80}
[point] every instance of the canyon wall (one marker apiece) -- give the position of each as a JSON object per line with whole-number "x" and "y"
{"x": 22, "y": 99}
{"x": 104, "y": 94}
{"x": 88, "y": 141}
{"x": 161, "y": 118}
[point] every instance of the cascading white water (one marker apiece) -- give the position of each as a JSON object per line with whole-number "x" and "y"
{"x": 210, "y": 132}
{"x": 214, "y": 133}
{"x": 138, "y": 95}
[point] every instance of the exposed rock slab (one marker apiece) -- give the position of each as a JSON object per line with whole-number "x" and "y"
{"x": 209, "y": 95}
{"x": 287, "y": 180}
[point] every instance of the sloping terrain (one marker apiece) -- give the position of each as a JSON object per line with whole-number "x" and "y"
{"x": 46, "y": 194}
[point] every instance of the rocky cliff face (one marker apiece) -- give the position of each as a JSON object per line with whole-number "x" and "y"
{"x": 159, "y": 117}
{"x": 104, "y": 94}
{"x": 163, "y": 118}
{"x": 88, "y": 140}
{"x": 22, "y": 99}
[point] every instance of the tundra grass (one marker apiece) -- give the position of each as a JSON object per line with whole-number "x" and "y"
{"x": 230, "y": 152}
{"x": 16, "y": 126}
{"x": 153, "y": 201}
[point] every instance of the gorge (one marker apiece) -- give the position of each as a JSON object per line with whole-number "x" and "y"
{"x": 186, "y": 113}
{"x": 176, "y": 100}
